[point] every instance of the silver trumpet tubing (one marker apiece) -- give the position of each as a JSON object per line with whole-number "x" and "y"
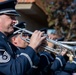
{"x": 68, "y": 42}
{"x": 49, "y": 49}
{"x": 46, "y": 48}
{"x": 61, "y": 44}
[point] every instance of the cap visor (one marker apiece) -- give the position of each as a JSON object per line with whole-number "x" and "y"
{"x": 12, "y": 13}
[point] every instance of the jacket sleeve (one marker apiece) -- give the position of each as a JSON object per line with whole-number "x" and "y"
{"x": 15, "y": 66}
{"x": 58, "y": 63}
{"x": 33, "y": 58}
{"x": 71, "y": 66}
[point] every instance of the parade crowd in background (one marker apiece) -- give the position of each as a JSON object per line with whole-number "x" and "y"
{"x": 63, "y": 17}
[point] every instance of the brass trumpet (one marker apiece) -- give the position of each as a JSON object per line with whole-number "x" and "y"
{"x": 69, "y": 48}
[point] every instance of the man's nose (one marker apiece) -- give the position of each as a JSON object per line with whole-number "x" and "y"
{"x": 15, "y": 22}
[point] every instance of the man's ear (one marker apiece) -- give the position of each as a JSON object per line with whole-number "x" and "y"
{"x": 13, "y": 40}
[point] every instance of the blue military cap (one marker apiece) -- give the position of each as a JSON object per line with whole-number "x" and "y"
{"x": 12, "y": 0}
{"x": 18, "y": 31}
{"x": 8, "y": 7}
{"x": 44, "y": 30}
{"x": 19, "y": 25}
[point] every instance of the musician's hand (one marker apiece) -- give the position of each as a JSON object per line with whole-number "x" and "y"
{"x": 53, "y": 37}
{"x": 36, "y": 39}
{"x": 64, "y": 52}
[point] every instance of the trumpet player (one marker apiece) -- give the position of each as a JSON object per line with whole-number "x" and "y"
{"x": 45, "y": 59}
{"x": 63, "y": 66}
{"x": 23, "y": 46}
{"x": 12, "y": 61}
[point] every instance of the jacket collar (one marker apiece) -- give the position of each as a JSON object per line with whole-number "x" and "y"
{"x": 3, "y": 36}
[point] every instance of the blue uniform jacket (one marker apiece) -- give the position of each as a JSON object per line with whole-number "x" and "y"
{"x": 46, "y": 60}
{"x": 12, "y": 61}
{"x": 43, "y": 66}
{"x": 71, "y": 66}
{"x": 57, "y": 66}
{"x": 62, "y": 67}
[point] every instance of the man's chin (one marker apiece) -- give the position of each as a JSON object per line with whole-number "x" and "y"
{"x": 11, "y": 31}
